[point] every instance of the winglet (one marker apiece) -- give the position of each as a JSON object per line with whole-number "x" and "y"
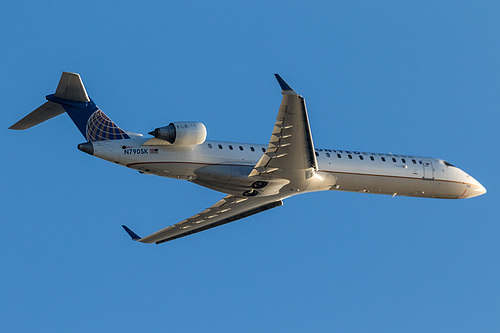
{"x": 131, "y": 233}
{"x": 284, "y": 86}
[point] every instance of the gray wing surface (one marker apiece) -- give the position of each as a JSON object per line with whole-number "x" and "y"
{"x": 229, "y": 209}
{"x": 45, "y": 112}
{"x": 291, "y": 148}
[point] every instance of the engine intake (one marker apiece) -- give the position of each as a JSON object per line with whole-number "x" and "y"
{"x": 183, "y": 133}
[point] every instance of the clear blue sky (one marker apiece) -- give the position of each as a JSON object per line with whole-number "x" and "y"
{"x": 404, "y": 77}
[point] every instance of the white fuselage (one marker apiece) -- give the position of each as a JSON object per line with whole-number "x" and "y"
{"x": 224, "y": 166}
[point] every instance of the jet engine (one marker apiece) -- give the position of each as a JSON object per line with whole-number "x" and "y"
{"x": 182, "y": 133}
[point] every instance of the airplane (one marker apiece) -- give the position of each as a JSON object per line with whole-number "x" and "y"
{"x": 254, "y": 177}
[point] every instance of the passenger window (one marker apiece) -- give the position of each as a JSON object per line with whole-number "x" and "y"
{"x": 383, "y": 159}
{"x": 209, "y": 145}
{"x": 394, "y": 160}
{"x": 339, "y": 156}
{"x": 420, "y": 162}
{"x": 350, "y": 156}
{"x": 327, "y": 154}
{"x": 241, "y": 148}
{"x": 414, "y": 162}
{"x": 230, "y": 147}
{"x": 404, "y": 161}
{"x": 220, "y": 146}
{"x": 361, "y": 157}
{"x": 263, "y": 150}
{"x": 316, "y": 153}
{"x": 372, "y": 158}
{"x": 252, "y": 148}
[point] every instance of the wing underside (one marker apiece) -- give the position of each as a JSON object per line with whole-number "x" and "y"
{"x": 229, "y": 209}
{"x": 291, "y": 146}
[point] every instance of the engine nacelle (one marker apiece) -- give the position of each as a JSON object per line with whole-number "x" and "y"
{"x": 182, "y": 133}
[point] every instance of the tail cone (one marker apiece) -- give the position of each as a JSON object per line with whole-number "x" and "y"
{"x": 87, "y": 147}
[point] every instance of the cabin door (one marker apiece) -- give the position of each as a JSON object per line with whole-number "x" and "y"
{"x": 428, "y": 170}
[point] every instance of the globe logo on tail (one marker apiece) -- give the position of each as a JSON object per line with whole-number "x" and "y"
{"x": 100, "y": 127}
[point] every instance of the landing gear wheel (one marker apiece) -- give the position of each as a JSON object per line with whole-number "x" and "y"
{"x": 259, "y": 184}
{"x": 250, "y": 193}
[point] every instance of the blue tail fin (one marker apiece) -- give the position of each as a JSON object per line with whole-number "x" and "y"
{"x": 71, "y": 97}
{"x": 90, "y": 120}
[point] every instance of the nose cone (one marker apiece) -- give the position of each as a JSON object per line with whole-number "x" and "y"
{"x": 474, "y": 188}
{"x": 477, "y": 190}
{"x": 87, "y": 147}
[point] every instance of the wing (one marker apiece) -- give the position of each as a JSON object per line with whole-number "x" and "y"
{"x": 290, "y": 154}
{"x": 229, "y": 209}
{"x": 288, "y": 161}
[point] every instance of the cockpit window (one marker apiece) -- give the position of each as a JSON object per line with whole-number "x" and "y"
{"x": 448, "y": 164}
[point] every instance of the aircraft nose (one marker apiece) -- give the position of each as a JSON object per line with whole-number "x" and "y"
{"x": 479, "y": 190}
{"x": 476, "y": 190}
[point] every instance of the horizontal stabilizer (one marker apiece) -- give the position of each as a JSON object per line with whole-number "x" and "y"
{"x": 131, "y": 233}
{"x": 71, "y": 87}
{"x": 45, "y": 112}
